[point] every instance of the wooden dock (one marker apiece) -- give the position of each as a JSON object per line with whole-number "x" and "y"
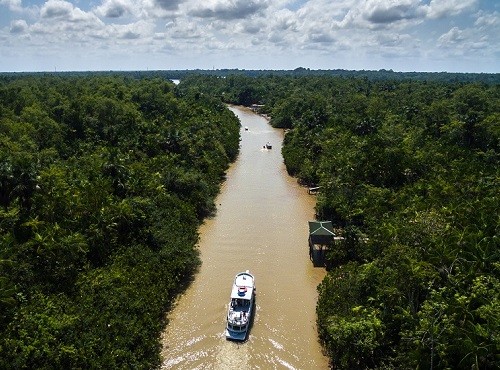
{"x": 313, "y": 190}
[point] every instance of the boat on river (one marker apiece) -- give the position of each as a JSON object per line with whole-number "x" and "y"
{"x": 241, "y": 306}
{"x": 269, "y": 146}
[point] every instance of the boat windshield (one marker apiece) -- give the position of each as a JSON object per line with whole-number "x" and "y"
{"x": 238, "y": 302}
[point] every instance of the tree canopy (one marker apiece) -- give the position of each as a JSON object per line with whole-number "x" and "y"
{"x": 104, "y": 181}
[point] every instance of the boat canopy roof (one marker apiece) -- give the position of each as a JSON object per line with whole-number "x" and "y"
{"x": 243, "y": 286}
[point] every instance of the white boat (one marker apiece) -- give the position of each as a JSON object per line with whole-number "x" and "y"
{"x": 241, "y": 306}
{"x": 269, "y": 146}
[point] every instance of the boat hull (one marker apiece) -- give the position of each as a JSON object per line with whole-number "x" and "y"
{"x": 236, "y": 336}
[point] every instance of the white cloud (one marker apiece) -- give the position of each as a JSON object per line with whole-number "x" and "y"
{"x": 368, "y": 14}
{"x": 14, "y": 5}
{"x": 168, "y": 4}
{"x": 114, "y": 8}
{"x": 228, "y": 9}
{"x": 183, "y": 29}
{"x": 286, "y": 20}
{"x": 131, "y": 31}
{"x": 393, "y": 40}
{"x": 359, "y": 31}
{"x": 389, "y": 11}
{"x": 488, "y": 20}
{"x": 452, "y": 37}
{"x": 56, "y": 9}
{"x": 61, "y": 20}
{"x": 449, "y": 8}
{"x": 320, "y": 37}
{"x": 253, "y": 28}
{"x": 18, "y": 26}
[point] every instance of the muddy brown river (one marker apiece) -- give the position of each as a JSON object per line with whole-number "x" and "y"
{"x": 261, "y": 226}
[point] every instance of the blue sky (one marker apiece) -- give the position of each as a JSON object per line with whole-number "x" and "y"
{"x": 403, "y": 35}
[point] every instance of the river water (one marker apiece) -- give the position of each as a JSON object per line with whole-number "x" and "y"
{"x": 261, "y": 226}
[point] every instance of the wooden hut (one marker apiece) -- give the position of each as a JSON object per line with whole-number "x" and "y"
{"x": 321, "y": 237}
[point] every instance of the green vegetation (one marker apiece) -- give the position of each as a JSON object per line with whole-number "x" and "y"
{"x": 103, "y": 184}
{"x": 104, "y": 181}
{"x": 374, "y": 75}
{"x": 409, "y": 175}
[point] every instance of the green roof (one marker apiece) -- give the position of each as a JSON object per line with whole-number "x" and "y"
{"x": 321, "y": 232}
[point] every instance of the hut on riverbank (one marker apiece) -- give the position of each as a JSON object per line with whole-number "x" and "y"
{"x": 321, "y": 237}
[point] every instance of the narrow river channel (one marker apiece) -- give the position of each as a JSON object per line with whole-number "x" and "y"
{"x": 261, "y": 226}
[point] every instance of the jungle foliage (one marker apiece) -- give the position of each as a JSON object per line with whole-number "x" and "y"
{"x": 373, "y": 75}
{"x": 409, "y": 175}
{"x": 103, "y": 184}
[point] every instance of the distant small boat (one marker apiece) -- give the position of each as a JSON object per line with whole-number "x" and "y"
{"x": 241, "y": 306}
{"x": 269, "y": 146}
{"x": 246, "y": 128}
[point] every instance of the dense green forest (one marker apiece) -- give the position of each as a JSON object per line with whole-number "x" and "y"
{"x": 105, "y": 179}
{"x": 103, "y": 184}
{"x": 409, "y": 175}
{"x": 377, "y": 75}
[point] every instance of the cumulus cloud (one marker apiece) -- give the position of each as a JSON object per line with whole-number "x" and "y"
{"x": 18, "y": 26}
{"x": 378, "y": 14}
{"x": 137, "y": 32}
{"x": 14, "y": 5}
{"x": 393, "y": 40}
{"x": 447, "y": 8}
{"x": 184, "y": 29}
{"x": 168, "y": 4}
{"x": 452, "y": 37}
{"x": 62, "y": 20}
{"x": 56, "y": 9}
{"x": 252, "y": 27}
{"x": 131, "y": 31}
{"x": 114, "y": 8}
{"x": 313, "y": 28}
{"x": 277, "y": 38}
{"x": 286, "y": 20}
{"x": 488, "y": 20}
{"x": 320, "y": 37}
{"x": 228, "y": 9}
{"x": 388, "y": 11}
